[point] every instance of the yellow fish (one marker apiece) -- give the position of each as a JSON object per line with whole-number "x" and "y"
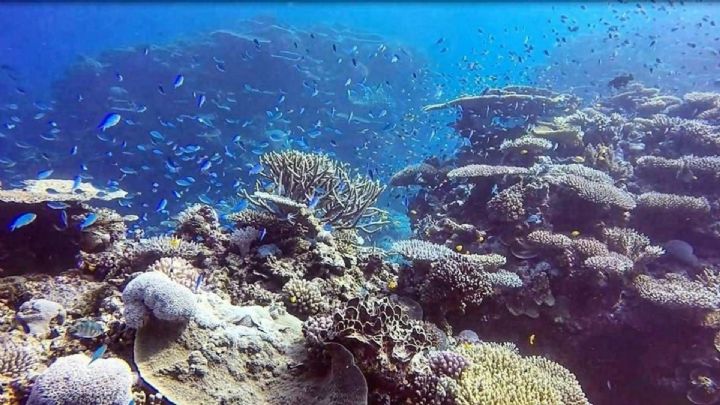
{"x": 459, "y": 248}
{"x": 531, "y": 339}
{"x": 392, "y": 285}
{"x": 575, "y": 233}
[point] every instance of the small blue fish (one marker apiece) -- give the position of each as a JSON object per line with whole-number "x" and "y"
{"x": 205, "y": 165}
{"x": 98, "y": 353}
{"x": 262, "y": 234}
{"x": 198, "y": 281}
{"x": 241, "y": 205}
{"x": 57, "y": 205}
{"x": 256, "y": 169}
{"x": 73, "y": 150}
{"x": 109, "y": 121}
{"x": 534, "y": 219}
{"x": 313, "y": 201}
{"x": 64, "y": 219}
{"x": 22, "y": 220}
{"x": 179, "y": 80}
{"x": 76, "y": 183}
{"x": 328, "y": 227}
{"x": 88, "y": 221}
{"x": 161, "y": 205}
{"x": 201, "y": 100}
{"x": 44, "y": 174}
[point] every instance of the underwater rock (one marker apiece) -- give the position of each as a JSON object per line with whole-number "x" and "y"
{"x": 682, "y": 251}
{"x": 249, "y": 355}
{"x": 36, "y": 316}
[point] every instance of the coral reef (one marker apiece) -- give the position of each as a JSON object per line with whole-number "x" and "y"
{"x": 575, "y": 235}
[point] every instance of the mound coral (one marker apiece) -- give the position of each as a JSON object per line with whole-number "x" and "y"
{"x": 155, "y": 293}
{"x": 74, "y": 380}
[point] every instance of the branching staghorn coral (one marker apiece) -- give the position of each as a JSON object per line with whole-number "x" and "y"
{"x": 455, "y": 284}
{"x": 342, "y": 200}
{"x": 507, "y": 205}
{"x": 631, "y": 244}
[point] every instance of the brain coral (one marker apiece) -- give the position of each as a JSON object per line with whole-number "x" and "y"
{"x": 498, "y": 375}
{"x": 73, "y": 380}
{"x": 155, "y": 293}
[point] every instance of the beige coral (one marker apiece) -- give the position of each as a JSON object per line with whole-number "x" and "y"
{"x": 498, "y": 375}
{"x": 178, "y": 270}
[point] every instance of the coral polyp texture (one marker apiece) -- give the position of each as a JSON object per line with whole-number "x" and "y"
{"x": 76, "y": 380}
{"x": 155, "y": 294}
